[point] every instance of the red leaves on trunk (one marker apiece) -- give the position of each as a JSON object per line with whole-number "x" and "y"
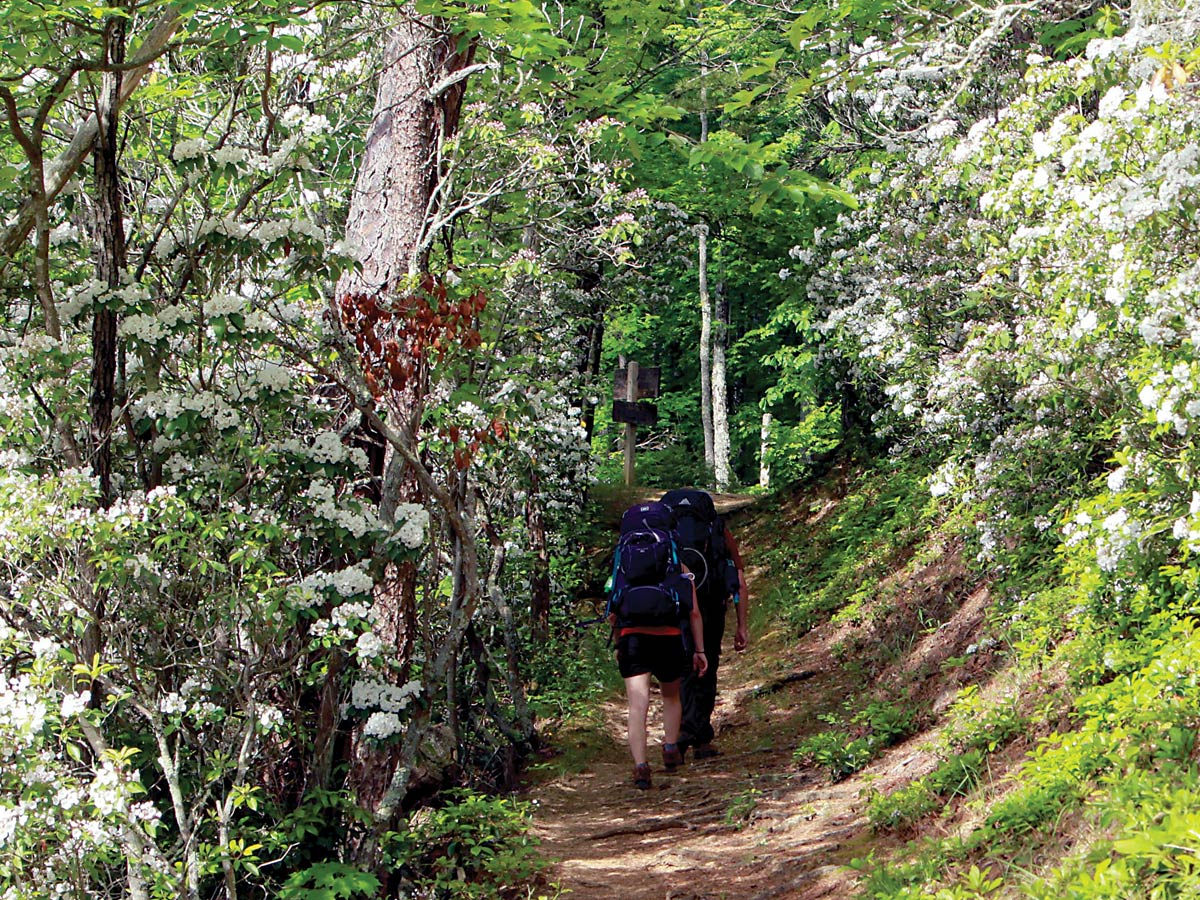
{"x": 398, "y": 337}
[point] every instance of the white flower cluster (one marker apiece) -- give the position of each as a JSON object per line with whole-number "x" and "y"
{"x": 1118, "y": 532}
{"x": 208, "y": 405}
{"x": 323, "y": 503}
{"x": 369, "y": 645}
{"x": 414, "y": 524}
{"x": 142, "y": 327}
{"x": 81, "y": 297}
{"x": 66, "y": 233}
{"x": 272, "y": 378}
{"x": 382, "y": 725}
{"x": 270, "y": 718}
{"x": 223, "y": 305}
{"x": 943, "y": 480}
{"x": 353, "y": 581}
{"x": 189, "y": 149}
{"x": 24, "y": 710}
{"x": 327, "y": 448}
{"x": 1187, "y": 528}
{"x": 390, "y": 698}
{"x": 265, "y": 233}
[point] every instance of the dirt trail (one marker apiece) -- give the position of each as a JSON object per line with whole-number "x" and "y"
{"x": 750, "y": 823}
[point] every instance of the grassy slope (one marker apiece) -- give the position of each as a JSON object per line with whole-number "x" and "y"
{"x": 1060, "y": 741}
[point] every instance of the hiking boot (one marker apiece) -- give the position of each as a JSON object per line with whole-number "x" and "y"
{"x": 672, "y": 757}
{"x": 706, "y": 751}
{"x": 641, "y": 776}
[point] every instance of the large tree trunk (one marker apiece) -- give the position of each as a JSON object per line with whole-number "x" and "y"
{"x": 396, "y": 195}
{"x": 720, "y": 393}
{"x": 391, "y": 209}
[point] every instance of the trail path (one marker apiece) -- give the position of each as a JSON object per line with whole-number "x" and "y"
{"x": 747, "y": 824}
{"x": 751, "y": 823}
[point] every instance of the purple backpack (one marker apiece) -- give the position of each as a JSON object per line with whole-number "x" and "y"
{"x": 646, "y": 587}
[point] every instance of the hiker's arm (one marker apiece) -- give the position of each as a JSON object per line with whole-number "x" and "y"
{"x": 741, "y": 637}
{"x": 699, "y": 659}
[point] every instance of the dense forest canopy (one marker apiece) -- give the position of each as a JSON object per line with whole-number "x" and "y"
{"x": 310, "y": 317}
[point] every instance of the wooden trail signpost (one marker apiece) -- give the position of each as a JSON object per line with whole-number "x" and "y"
{"x": 633, "y": 389}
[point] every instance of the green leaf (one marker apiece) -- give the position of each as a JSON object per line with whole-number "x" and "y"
{"x": 803, "y": 27}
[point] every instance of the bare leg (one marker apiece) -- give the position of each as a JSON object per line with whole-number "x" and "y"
{"x": 672, "y": 711}
{"x": 637, "y": 692}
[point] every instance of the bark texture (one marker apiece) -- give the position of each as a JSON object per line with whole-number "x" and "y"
{"x": 764, "y": 451}
{"x": 110, "y": 258}
{"x": 706, "y": 327}
{"x": 395, "y": 193}
{"x": 539, "y": 569}
{"x": 706, "y": 418}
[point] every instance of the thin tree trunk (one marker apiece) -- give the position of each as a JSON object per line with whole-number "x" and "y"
{"x": 706, "y": 394}
{"x": 110, "y": 269}
{"x": 764, "y": 452}
{"x": 539, "y": 551}
{"x": 592, "y": 338}
{"x": 706, "y": 328}
{"x": 110, "y": 259}
{"x": 720, "y": 393}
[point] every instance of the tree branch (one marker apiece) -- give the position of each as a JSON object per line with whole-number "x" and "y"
{"x": 61, "y": 170}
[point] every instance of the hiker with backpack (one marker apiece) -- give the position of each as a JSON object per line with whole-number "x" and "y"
{"x": 656, "y": 621}
{"x": 709, "y": 550}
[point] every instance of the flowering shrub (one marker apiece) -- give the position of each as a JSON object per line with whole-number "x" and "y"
{"x": 1019, "y": 293}
{"x": 1016, "y": 296}
{"x": 198, "y": 658}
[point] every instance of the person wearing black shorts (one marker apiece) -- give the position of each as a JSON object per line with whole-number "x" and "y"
{"x": 657, "y": 651}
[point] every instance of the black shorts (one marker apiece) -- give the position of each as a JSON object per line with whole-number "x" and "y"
{"x": 662, "y": 655}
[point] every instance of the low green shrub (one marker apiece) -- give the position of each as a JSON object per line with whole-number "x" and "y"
{"x": 889, "y": 722}
{"x": 475, "y": 846}
{"x": 839, "y": 754}
{"x": 979, "y": 723}
{"x": 954, "y": 777}
{"x": 958, "y": 775}
{"x": 902, "y": 807}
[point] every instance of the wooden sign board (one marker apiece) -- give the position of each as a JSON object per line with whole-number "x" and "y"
{"x": 642, "y": 413}
{"x": 647, "y": 383}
